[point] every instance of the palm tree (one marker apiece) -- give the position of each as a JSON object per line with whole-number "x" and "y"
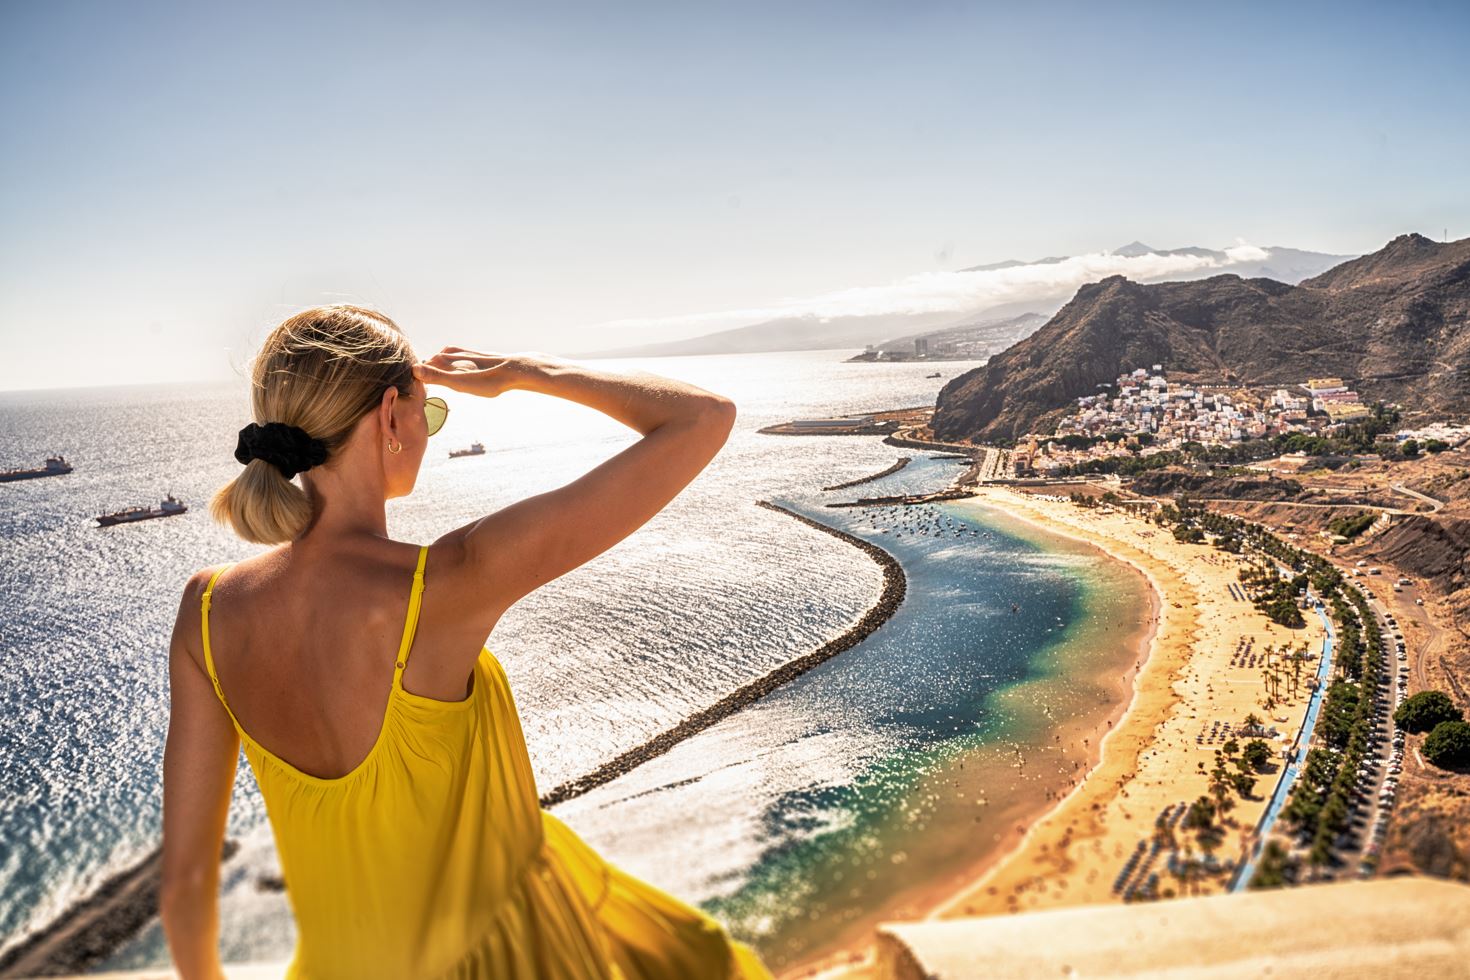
{"x": 1220, "y": 785}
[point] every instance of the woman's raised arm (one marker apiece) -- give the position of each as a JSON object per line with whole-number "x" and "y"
{"x": 507, "y": 554}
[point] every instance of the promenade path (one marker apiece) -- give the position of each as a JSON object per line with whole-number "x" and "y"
{"x": 1294, "y": 766}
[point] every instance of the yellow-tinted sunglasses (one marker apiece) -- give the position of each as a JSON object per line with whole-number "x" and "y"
{"x": 436, "y": 410}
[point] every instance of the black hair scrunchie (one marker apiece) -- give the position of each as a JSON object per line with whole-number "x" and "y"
{"x": 287, "y": 447}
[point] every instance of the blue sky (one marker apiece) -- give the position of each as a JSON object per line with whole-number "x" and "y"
{"x": 175, "y": 178}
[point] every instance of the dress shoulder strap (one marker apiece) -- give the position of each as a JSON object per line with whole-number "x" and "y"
{"x": 208, "y": 654}
{"x": 411, "y": 621}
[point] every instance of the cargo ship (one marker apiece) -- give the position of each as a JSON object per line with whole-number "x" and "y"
{"x": 168, "y": 508}
{"x": 55, "y": 466}
{"x": 476, "y": 449}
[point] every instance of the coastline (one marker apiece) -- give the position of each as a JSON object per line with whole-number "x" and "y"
{"x": 88, "y": 931}
{"x": 1071, "y": 854}
{"x": 1128, "y": 690}
{"x": 858, "y": 954}
{"x": 1030, "y": 866}
{"x": 1071, "y": 851}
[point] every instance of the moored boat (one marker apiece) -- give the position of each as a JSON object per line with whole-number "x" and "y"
{"x": 168, "y": 508}
{"x": 476, "y": 449}
{"x": 55, "y": 466}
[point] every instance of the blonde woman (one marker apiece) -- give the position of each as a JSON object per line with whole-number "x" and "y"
{"x": 381, "y": 730}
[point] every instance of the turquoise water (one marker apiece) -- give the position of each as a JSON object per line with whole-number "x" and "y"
{"x": 842, "y": 797}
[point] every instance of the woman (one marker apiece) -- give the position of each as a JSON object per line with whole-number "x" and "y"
{"x": 381, "y": 730}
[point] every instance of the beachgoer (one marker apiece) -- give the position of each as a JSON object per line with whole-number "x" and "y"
{"x": 352, "y": 666}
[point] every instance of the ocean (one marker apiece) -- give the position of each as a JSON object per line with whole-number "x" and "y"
{"x": 849, "y": 794}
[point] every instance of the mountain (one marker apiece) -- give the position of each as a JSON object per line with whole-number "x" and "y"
{"x": 1395, "y": 322}
{"x": 935, "y": 301}
{"x": 785, "y": 334}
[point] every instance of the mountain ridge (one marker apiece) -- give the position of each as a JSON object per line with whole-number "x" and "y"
{"x": 1394, "y": 321}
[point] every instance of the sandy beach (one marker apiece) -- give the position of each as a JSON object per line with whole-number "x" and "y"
{"x": 1153, "y": 757}
{"x": 1156, "y": 751}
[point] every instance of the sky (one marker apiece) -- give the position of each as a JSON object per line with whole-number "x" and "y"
{"x": 176, "y": 178}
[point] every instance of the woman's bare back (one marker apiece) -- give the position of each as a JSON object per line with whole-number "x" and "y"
{"x": 304, "y": 647}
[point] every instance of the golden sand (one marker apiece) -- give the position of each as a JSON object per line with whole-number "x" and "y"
{"x": 1151, "y": 759}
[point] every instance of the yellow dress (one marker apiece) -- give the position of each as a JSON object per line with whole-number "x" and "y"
{"x": 433, "y": 858}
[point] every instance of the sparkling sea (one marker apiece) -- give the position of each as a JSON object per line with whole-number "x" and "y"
{"x": 826, "y": 804}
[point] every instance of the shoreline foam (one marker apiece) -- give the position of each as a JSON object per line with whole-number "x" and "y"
{"x": 1150, "y": 751}
{"x": 1023, "y": 819}
{"x": 1070, "y": 853}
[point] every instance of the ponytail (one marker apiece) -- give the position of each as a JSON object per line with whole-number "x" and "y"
{"x": 320, "y": 371}
{"x": 261, "y": 505}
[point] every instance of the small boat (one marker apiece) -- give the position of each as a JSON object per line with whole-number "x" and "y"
{"x": 168, "y": 508}
{"x": 476, "y": 449}
{"x": 55, "y": 466}
{"x": 936, "y": 374}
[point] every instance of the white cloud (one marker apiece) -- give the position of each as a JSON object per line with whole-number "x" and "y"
{"x": 960, "y": 292}
{"x": 1242, "y": 252}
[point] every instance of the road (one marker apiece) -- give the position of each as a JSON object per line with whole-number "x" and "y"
{"x": 1359, "y": 836}
{"x": 1434, "y": 505}
{"x": 1295, "y": 503}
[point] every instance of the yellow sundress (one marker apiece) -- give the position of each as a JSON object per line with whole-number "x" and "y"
{"x": 433, "y": 858}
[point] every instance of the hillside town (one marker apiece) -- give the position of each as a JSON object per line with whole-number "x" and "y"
{"x": 1143, "y": 414}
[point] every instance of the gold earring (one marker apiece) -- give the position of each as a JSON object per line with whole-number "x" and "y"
{"x": 392, "y": 450}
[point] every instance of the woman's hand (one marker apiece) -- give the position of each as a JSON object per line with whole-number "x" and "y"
{"x": 479, "y": 373}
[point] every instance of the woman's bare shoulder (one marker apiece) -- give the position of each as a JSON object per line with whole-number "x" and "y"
{"x": 188, "y": 623}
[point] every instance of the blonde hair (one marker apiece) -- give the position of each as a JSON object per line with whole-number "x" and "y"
{"x": 322, "y": 370}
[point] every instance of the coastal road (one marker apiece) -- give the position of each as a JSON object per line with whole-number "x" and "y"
{"x": 1360, "y": 832}
{"x": 1434, "y": 505}
{"x": 1302, "y": 503}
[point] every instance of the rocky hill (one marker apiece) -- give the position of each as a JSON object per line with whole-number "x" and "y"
{"x": 1396, "y": 322}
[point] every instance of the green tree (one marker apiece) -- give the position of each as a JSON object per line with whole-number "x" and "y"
{"x": 1220, "y": 785}
{"x": 1410, "y": 448}
{"x": 1425, "y": 710}
{"x": 1201, "y": 814}
{"x": 1257, "y": 753}
{"x": 1449, "y": 744}
{"x": 1271, "y": 872}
